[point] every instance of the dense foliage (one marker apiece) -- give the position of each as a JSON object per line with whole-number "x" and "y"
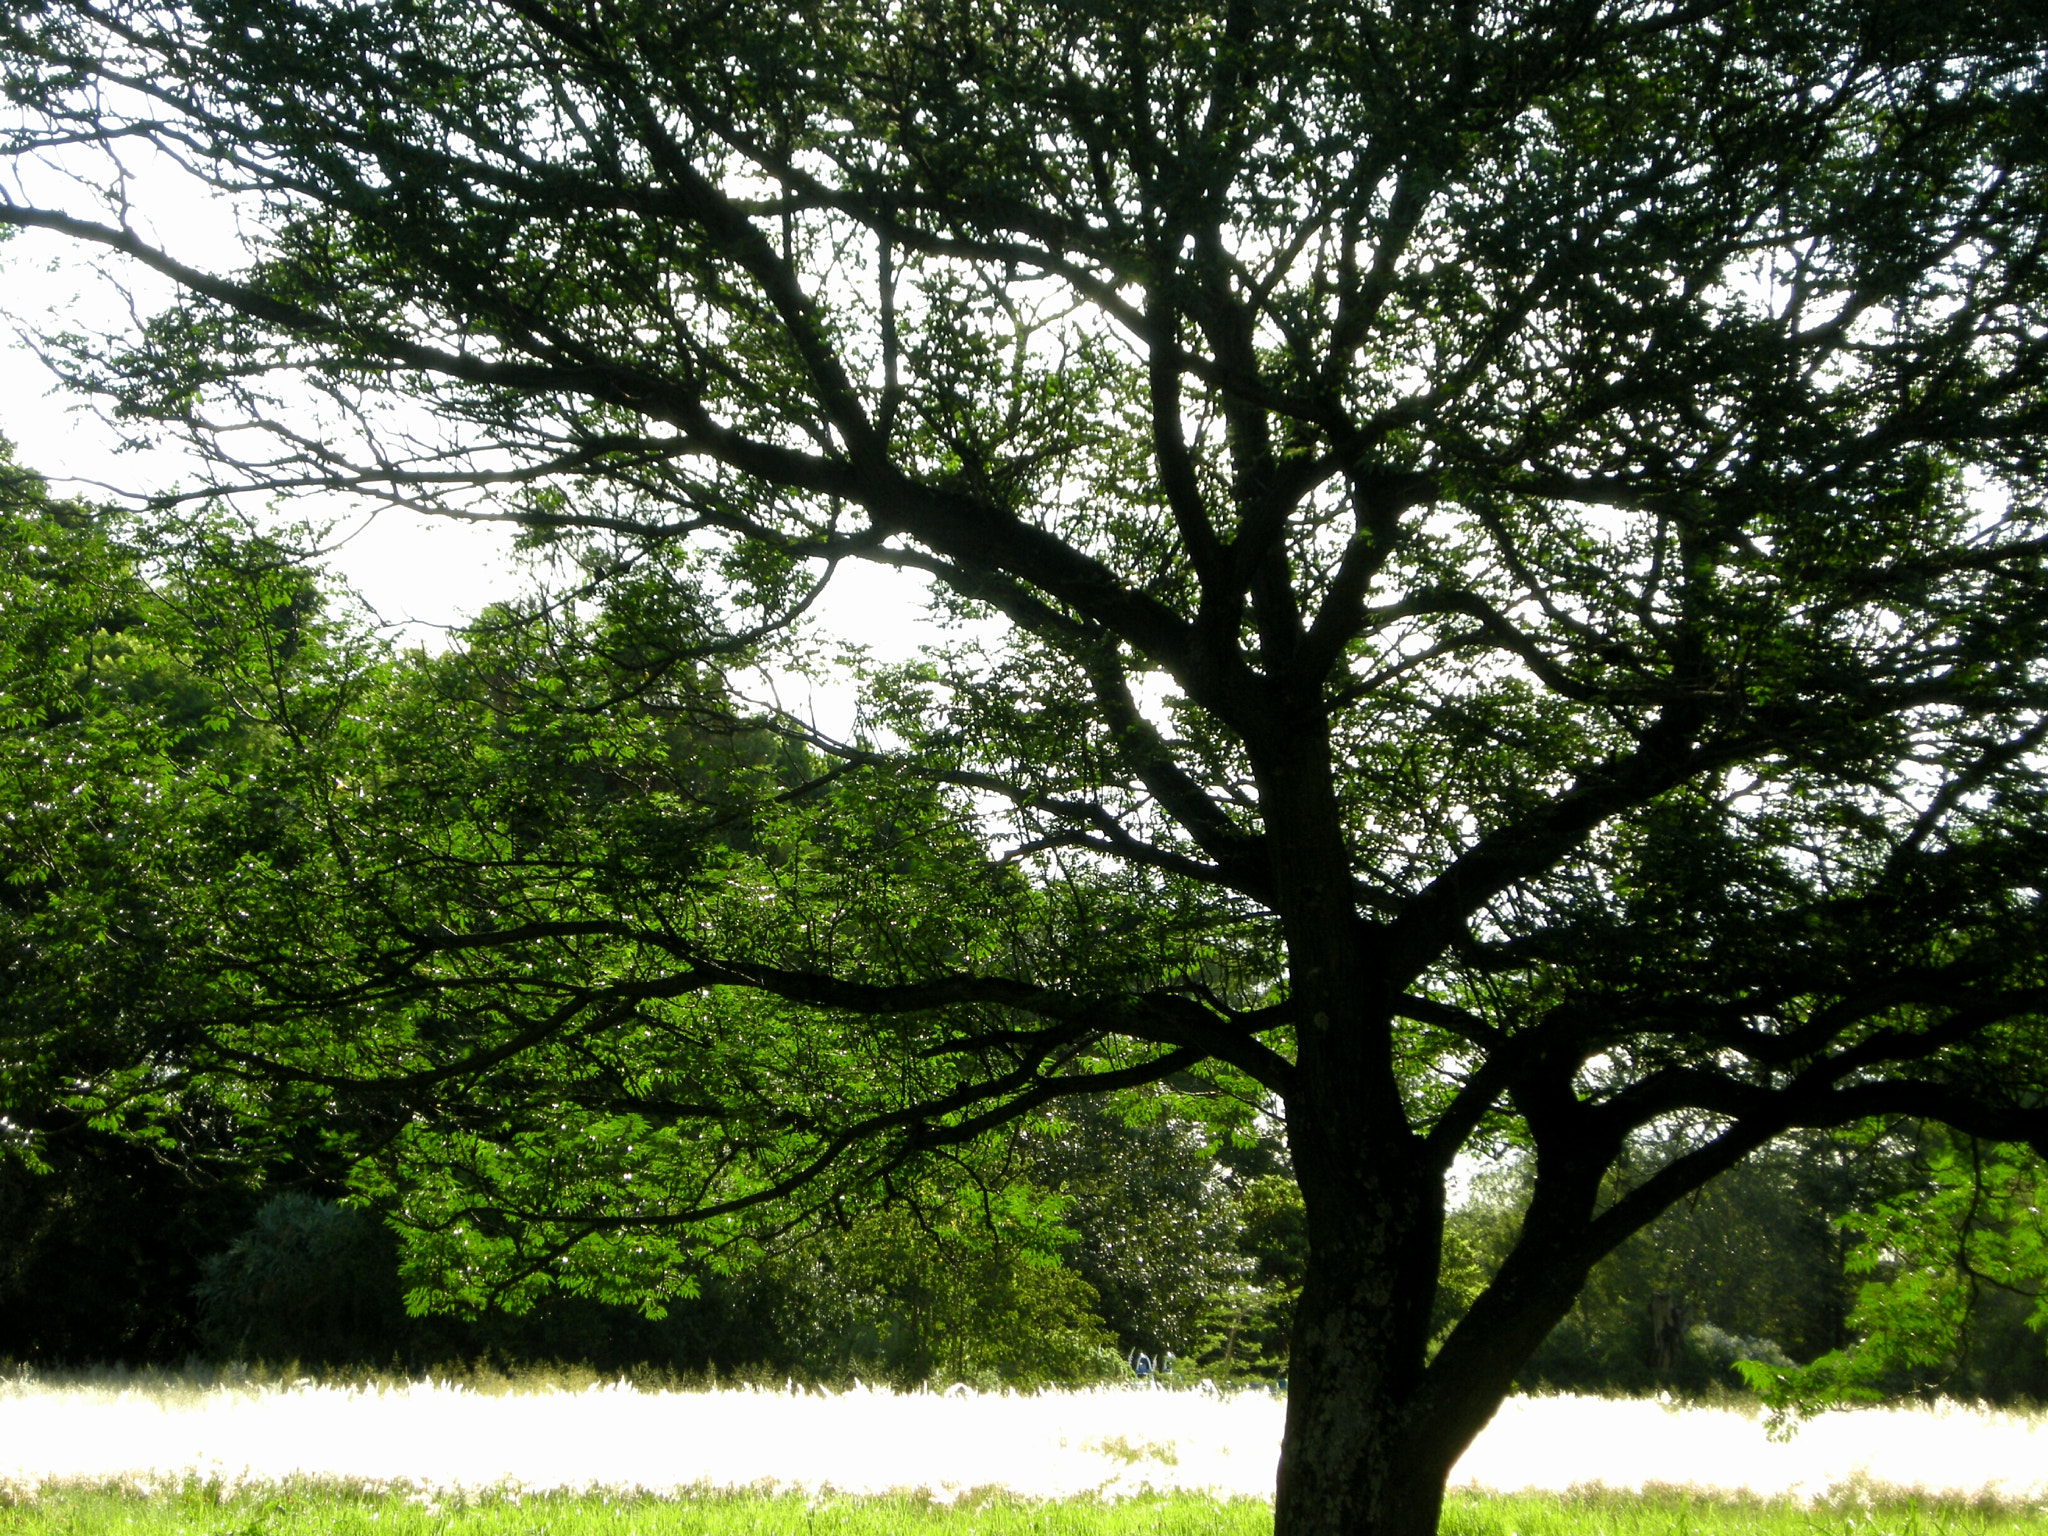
{"x": 214, "y": 688}
{"x": 1136, "y": 1226}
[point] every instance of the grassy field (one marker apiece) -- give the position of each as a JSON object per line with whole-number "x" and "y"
{"x": 249, "y": 1458}
{"x": 201, "y": 1510}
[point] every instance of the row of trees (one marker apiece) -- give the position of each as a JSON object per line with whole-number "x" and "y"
{"x": 175, "y": 697}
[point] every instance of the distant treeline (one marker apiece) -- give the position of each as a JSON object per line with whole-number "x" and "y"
{"x": 120, "y": 1253}
{"x": 151, "y": 1212}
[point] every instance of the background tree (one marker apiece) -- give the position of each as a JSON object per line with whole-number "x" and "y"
{"x": 1947, "y": 1272}
{"x": 1159, "y": 1212}
{"x": 111, "y": 749}
{"x": 1512, "y": 531}
{"x": 1756, "y": 1265}
{"x": 307, "y": 1281}
{"x": 163, "y": 690}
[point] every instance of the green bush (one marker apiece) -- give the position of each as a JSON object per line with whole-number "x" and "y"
{"x": 310, "y": 1280}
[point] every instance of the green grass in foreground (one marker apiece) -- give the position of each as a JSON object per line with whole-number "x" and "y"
{"x": 1675, "y": 1512}
{"x": 314, "y": 1510}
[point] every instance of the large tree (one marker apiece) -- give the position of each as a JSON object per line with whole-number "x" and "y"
{"x": 1509, "y": 538}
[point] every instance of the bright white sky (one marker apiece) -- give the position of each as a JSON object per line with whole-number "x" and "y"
{"x": 421, "y": 574}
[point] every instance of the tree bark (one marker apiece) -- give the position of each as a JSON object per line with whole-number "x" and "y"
{"x": 1349, "y": 1461}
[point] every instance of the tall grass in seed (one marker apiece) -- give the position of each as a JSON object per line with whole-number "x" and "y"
{"x": 568, "y": 1435}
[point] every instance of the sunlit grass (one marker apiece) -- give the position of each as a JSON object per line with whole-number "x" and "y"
{"x": 1690, "y": 1512}
{"x": 306, "y": 1509}
{"x": 549, "y": 1436}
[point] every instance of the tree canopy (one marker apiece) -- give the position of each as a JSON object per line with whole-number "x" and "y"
{"x": 1503, "y": 546}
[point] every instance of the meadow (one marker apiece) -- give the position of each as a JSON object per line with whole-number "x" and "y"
{"x": 308, "y": 1510}
{"x": 167, "y": 1455}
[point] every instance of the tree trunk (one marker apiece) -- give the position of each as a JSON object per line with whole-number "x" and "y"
{"x": 1374, "y": 1426}
{"x": 1356, "y": 1457}
{"x": 1374, "y": 1213}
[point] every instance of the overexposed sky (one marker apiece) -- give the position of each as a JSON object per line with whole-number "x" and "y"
{"x": 414, "y": 571}
{"x": 421, "y": 574}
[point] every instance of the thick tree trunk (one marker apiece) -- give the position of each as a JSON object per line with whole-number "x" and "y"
{"x": 1358, "y": 1457}
{"x": 1374, "y": 1426}
{"x": 1351, "y": 1463}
